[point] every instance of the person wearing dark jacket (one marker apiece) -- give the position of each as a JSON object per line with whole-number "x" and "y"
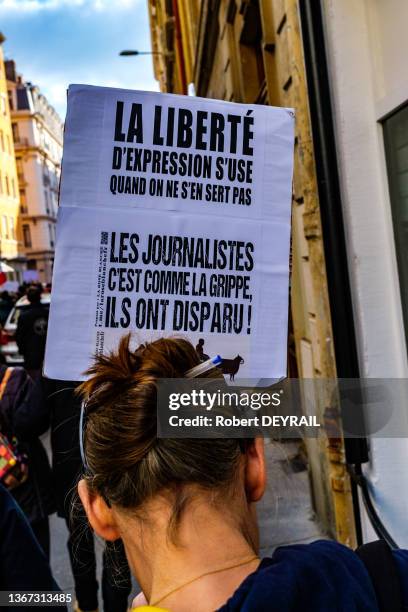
{"x": 6, "y": 304}
{"x": 31, "y": 332}
{"x": 23, "y": 566}
{"x": 23, "y": 414}
{"x": 310, "y": 578}
{"x": 64, "y": 408}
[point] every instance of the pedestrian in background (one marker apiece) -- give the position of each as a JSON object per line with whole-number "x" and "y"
{"x": 64, "y": 408}
{"x": 23, "y": 565}
{"x": 24, "y": 416}
{"x": 6, "y": 304}
{"x": 31, "y": 332}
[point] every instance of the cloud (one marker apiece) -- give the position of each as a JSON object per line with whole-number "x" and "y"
{"x": 57, "y": 93}
{"x": 34, "y": 6}
{"x": 78, "y": 41}
{"x": 54, "y": 86}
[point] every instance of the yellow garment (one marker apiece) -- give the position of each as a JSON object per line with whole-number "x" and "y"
{"x": 149, "y": 609}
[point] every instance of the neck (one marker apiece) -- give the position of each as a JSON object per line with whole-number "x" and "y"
{"x": 206, "y": 540}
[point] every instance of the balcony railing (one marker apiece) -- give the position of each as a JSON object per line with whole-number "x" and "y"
{"x": 21, "y": 141}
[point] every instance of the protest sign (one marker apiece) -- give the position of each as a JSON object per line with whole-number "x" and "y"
{"x": 174, "y": 219}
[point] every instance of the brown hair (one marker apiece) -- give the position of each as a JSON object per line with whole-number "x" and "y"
{"x": 127, "y": 463}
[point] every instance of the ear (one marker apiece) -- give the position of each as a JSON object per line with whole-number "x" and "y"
{"x": 99, "y": 515}
{"x": 255, "y": 470}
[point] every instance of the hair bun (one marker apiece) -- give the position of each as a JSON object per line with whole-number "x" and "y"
{"x": 113, "y": 372}
{"x": 127, "y": 463}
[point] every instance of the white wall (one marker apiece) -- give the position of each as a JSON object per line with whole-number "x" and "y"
{"x": 367, "y": 49}
{"x": 388, "y": 20}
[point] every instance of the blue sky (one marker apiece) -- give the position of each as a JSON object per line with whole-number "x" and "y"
{"x": 57, "y": 42}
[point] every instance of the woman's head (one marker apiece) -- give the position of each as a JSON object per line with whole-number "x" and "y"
{"x": 129, "y": 468}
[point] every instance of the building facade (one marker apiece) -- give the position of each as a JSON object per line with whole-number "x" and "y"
{"x": 251, "y": 51}
{"x": 37, "y": 134}
{"x": 342, "y": 66}
{"x": 11, "y": 252}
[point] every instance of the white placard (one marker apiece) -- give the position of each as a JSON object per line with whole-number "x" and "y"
{"x": 174, "y": 219}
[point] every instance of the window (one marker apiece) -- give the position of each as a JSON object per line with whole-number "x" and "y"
{"x": 51, "y": 234}
{"x": 6, "y": 180}
{"x": 14, "y": 127}
{"x": 26, "y": 236}
{"x": 4, "y": 227}
{"x": 20, "y": 171}
{"x": 10, "y": 99}
{"x": 3, "y": 104}
{"x": 46, "y": 175}
{"x": 54, "y": 204}
{"x": 13, "y": 188}
{"x": 23, "y": 202}
{"x": 47, "y": 201}
{"x": 8, "y": 144}
{"x": 253, "y": 69}
{"x": 1, "y": 183}
{"x": 396, "y": 150}
{"x": 12, "y": 228}
{"x": 2, "y": 140}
